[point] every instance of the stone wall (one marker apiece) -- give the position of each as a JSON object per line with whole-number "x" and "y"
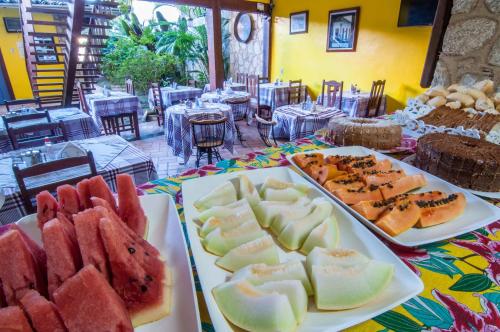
{"x": 471, "y": 46}
{"x": 247, "y": 58}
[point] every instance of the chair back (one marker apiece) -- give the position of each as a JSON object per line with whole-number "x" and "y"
{"x": 34, "y": 135}
{"x": 243, "y": 79}
{"x": 158, "y": 102}
{"x": 253, "y": 85}
{"x": 376, "y": 95}
{"x": 13, "y": 118}
{"x": 333, "y": 88}
{"x": 294, "y": 92}
{"x": 81, "y": 97}
{"x": 192, "y": 83}
{"x": 239, "y": 107}
{"x": 266, "y": 130}
{"x": 129, "y": 86}
{"x": 209, "y": 129}
{"x": 50, "y": 167}
{"x": 12, "y": 105}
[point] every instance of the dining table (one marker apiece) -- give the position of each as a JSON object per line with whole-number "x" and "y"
{"x": 225, "y": 96}
{"x": 354, "y": 103}
{"x": 173, "y": 95}
{"x": 460, "y": 275}
{"x": 179, "y": 133}
{"x": 275, "y": 94}
{"x": 112, "y": 154}
{"x": 78, "y": 125}
{"x": 235, "y": 86}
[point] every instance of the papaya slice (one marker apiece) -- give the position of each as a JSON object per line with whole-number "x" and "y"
{"x": 354, "y": 196}
{"x": 378, "y": 178}
{"x": 399, "y": 218}
{"x": 305, "y": 160}
{"x": 369, "y": 165}
{"x": 435, "y": 212}
{"x": 402, "y": 185}
{"x": 349, "y": 181}
{"x": 69, "y": 201}
{"x": 325, "y": 172}
{"x": 343, "y": 162}
{"x": 46, "y": 208}
{"x": 83, "y": 190}
{"x": 99, "y": 188}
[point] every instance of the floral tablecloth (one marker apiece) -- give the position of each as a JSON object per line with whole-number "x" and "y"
{"x": 461, "y": 275}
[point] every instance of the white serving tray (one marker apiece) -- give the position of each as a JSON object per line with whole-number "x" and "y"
{"x": 478, "y": 213}
{"x": 405, "y": 283}
{"x": 165, "y": 233}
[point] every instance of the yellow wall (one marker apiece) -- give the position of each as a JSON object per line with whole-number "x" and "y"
{"x": 384, "y": 51}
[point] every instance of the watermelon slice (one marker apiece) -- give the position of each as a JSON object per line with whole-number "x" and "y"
{"x": 19, "y": 270}
{"x": 129, "y": 207}
{"x": 87, "y": 303}
{"x": 42, "y": 314}
{"x": 63, "y": 258}
{"x": 96, "y": 201}
{"x": 83, "y": 190}
{"x": 12, "y": 319}
{"x": 3, "y": 301}
{"x": 37, "y": 252}
{"x": 138, "y": 277}
{"x": 99, "y": 188}
{"x": 69, "y": 201}
{"x": 46, "y": 208}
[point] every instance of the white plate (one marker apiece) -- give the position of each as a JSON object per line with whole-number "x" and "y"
{"x": 405, "y": 283}
{"x": 478, "y": 213}
{"x": 165, "y": 233}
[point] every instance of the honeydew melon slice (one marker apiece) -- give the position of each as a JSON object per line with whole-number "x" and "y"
{"x": 282, "y": 220}
{"x": 339, "y": 288}
{"x": 267, "y": 211}
{"x": 286, "y": 195}
{"x": 258, "y": 274}
{"x": 340, "y": 257}
{"x": 261, "y": 250}
{"x": 224, "y": 211}
{"x": 252, "y": 309}
{"x": 221, "y": 195}
{"x": 229, "y": 222}
{"x": 277, "y": 184}
{"x": 247, "y": 190}
{"x": 295, "y": 233}
{"x": 219, "y": 242}
{"x": 295, "y": 293}
{"x": 325, "y": 235}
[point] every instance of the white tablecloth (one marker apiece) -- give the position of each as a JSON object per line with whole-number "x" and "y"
{"x": 171, "y": 96}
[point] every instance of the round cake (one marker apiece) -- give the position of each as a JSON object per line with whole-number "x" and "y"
{"x": 467, "y": 162}
{"x": 370, "y": 133}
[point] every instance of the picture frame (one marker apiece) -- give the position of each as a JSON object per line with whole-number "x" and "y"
{"x": 243, "y": 27}
{"x": 12, "y": 24}
{"x": 343, "y": 26}
{"x": 299, "y": 22}
{"x": 46, "y": 52}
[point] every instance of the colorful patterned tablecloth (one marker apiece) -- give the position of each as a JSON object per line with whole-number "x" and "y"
{"x": 461, "y": 275}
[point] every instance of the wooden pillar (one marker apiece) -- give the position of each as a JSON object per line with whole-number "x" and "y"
{"x": 266, "y": 54}
{"x": 75, "y": 21}
{"x": 215, "y": 59}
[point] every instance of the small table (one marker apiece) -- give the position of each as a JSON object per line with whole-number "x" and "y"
{"x": 179, "y": 132}
{"x": 276, "y": 95}
{"x": 225, "y": 96}
{"x": 354, "y": 104}
{"x": 112, "y": 155}
{"x": 292, "y": 122}
{"x": 79, "y": 125}
{"x": 171, "y": 96}
{"x": 235, "y": 86}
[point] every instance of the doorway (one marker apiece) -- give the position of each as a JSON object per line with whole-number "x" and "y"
{"x": 5, "y": 87}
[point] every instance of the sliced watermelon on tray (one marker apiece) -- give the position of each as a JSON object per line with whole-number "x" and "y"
{"x": 83, "y": 190}
{"x": 69, "y": 200}
{"x": 42, "y": 313}
{"x": 129, "y": 206}
{"x": 46, "y": 207}
{"x": 99, "y": 188}
{"x": 12, "y": 319}
{"x": 87, "y": 303}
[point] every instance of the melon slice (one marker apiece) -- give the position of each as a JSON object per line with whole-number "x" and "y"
{"x": 295, "y": 293}
{"x": 249, "y": 308}
{"x": 286, "y": 195}
{"x": 219, "y": 242}
{"x": 258, "y": 274}
{"x": 261, "y": 250}
{"x": 129, "y": 206}
{"x": 267, "y": 211}
{"x": 63, "y": 258}
{"x": 325, "y": 235}
{"x": 69, "y": 201}
{"x": 138, "y": 277}
{"x": 46, "y": 208}
{"x": 83, "y": 190}
{"x": 339, "y": 288}
{"x": 12, "y": 319}
{"x": 42, "y": 314}
{"x": 225, "y": 223}
{"x": 19, "y": 269}
{"x": 273, "y": 183}
{"x": 296, "y": 232}
{"x": 224, "y": 211}
{"x": 87, "y": 303}
{"x": 247, "y": 190}
{"x": 222, "y": 195}
{"x": 340, "y": 257}
{"x": 99, "y": 188}
{"x": 281, "y": 220}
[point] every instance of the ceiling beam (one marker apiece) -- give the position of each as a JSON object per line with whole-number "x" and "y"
{"x": 234, "y": 5}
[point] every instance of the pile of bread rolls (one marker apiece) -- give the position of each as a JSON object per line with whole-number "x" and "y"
{"x": 480, "y": 97}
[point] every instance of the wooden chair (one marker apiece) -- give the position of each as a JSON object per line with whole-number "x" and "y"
{"x": 294, "y": 92}
{"x": 158, "y": 103}
{"x": 209, "y": 130}
{"x": 192, "y": 83}
{"x": 332, "y": 89}
{"x": 34, "y": 135}
{"x": 39, "y": 170}
{"x": 266, "y": 129}
{"x": 16, "y": 104}
{"x": 376, "y": 96}
{"x": 38, "y": 115}
{"x": 254, "y": 83}
{"x": 117, "y": 123}
{"x": 239, "y": 108}
{"x": 129, "y": 86}
{"x": 243, "y": 79}
{"x": 81, "y": 97}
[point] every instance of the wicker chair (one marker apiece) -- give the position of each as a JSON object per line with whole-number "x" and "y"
{"x": 209, "y": 131}
{"x": 376, "y": 96}
{"x": 266, "y": 129}
{"x": 239, "y": 108}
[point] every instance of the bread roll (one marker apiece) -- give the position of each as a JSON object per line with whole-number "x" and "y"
{"x": 483, "y": 104}
{"x": 454, "y": 105}
{"x": 496, "y": 98}
{"x": 466, "y": 100}
{"x": 423, "y": 98}
{"x": 437, "y": 91}
{"x": 437, "y": 101}
{"x": 457, "y": 88}
{"x": 487, "y": 86}
{"x": 476, "y": 94}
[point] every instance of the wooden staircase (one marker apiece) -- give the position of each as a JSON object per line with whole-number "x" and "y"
{"x": 63, "y": 44}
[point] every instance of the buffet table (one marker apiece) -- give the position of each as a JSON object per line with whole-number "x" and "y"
{"x": 461, "y": 275}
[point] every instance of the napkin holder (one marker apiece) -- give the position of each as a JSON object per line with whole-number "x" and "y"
{"x": 70, "y": 150}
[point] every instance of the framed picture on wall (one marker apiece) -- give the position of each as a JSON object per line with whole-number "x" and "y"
{"x": 12, "y": 24}
{"x": 299, "y": 22}
{"x": 342, "y": 30}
